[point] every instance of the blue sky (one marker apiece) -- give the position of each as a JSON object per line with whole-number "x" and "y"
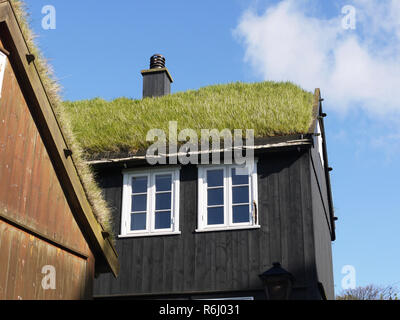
{"x": 98, "y": 49}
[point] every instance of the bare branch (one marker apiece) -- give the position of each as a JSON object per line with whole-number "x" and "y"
{"x": 370, "y": 292}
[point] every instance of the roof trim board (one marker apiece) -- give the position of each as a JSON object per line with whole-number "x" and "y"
{"x": 53, "y": 138}
{"x": 290, "y": 142}
{"x": 319, "y": 117}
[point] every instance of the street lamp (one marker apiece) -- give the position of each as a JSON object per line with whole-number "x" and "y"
{"x": 277, "y": 282}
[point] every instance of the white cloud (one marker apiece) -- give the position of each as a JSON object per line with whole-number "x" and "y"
{"x": 352, "y": 67}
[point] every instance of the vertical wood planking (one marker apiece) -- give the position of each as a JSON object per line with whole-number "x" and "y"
{"x": 295, "y": 226}
{"x": 309, "y": 247}
{"x": 23, "y": 256}
{"x": 321, "y": 226}
{"x": 28, "y": 180}
{"x": 34, "y": 213}
{"x": 227, "y": 260}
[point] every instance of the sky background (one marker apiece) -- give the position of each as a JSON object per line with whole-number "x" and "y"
{"x": 99, "y": 47}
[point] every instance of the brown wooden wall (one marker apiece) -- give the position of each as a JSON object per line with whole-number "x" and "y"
{"x": 37, "y": 227}
{"x": 23, "y": 257}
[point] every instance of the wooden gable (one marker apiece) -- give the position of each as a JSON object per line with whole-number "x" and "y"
{"x": 45, "y": 216}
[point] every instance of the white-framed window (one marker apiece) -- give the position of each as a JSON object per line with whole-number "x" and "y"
{"x": 227, "y": 198}
{"x": 150, "y": 203}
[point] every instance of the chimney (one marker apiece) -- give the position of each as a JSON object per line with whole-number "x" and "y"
{"x": 157, "y": 80}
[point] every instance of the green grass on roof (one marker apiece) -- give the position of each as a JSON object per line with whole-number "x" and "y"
{"x": 121, "y": 125}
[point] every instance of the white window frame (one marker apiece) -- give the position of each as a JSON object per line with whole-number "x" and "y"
{"x": 151, "y": 199}
{"x": 228, "y": 207}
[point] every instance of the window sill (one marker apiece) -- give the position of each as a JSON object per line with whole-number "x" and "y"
{"x": 146, "y": 234}
{"x": 228, "y": 228}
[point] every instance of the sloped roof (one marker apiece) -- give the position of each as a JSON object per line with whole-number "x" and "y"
{"x": 120, "y": 126}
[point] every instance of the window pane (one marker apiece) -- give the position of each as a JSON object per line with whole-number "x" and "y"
{"x": 215, "y": 178}
{"x": 240, "y": 194}
{"x": 163, "y": 201}
{"x": 239, "y": 179}
{"x": 139, "y": 203}
{"x": 215, "y": 197}
{"x": 163, "y": 220}
{"x": 138, "y": 221}
{"x": 215, "y": 216}
{"x": 241, "y": 214}
{"x": 163, "y": 183}
{"x": 139, "y": 185}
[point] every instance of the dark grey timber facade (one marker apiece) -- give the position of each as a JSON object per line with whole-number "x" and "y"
{"x": 296, "y": 229}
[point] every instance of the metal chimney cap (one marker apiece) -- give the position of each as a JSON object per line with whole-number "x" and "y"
{"x": 157, "y": 61}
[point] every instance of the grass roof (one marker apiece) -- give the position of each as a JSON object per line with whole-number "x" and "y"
{"x": 121, "y": 125}
{"x": 93, "y": 192}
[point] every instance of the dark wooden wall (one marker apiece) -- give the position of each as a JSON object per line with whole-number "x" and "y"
{"x": 322, "y": 224}
{"x": 227, "y": 261}
{"x": 37, "y": 227}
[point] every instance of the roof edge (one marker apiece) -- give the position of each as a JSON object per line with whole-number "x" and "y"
{"x": 54, "y": 140}
{"x": 320, "y": 117}
{"x": 290, "y": 141}
{"x": 315, "y": 110}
